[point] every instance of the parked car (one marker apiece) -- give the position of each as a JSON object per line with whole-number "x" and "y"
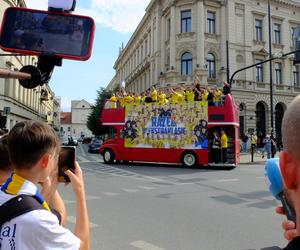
{"x": 95, "y": 145}
{"x": 86, "y": 140}
{"x": 69, "y": 141}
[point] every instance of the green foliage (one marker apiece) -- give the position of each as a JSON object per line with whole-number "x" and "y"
{"x": 94, "y": 119}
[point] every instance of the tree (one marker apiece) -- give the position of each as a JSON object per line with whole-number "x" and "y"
{"x": 94, "y": 119}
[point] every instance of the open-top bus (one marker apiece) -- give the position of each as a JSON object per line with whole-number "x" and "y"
{"x": 171, "y": 133}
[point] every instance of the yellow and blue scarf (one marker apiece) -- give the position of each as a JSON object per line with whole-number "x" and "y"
{"x": 14, "y": 185}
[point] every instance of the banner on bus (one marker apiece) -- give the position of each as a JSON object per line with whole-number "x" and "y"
{"x": 166, "y": 126}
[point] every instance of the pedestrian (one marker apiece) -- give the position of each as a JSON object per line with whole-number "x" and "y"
{"x": 253, "y": 142}
{"x": 224, "y": 146}
{"x": 273, "y": 147}
{"x": 268, "y": 142}
{"x": 216, "y": 143}
{"x": 290, "y": 170}
{"x": 33, "y": 152}
{"x": 244, "y": 139}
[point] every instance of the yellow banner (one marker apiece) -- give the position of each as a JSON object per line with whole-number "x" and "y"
{"x": 168, "y": 125}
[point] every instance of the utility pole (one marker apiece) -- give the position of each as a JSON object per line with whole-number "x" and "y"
{"x": 271, "y": 68}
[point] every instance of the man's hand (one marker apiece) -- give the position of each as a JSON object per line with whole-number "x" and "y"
{"x": 49, "y": 186}
{"x": 288, "y": 226}
{"x": 76, "y": 179}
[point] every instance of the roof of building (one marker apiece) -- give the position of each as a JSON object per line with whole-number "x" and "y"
{"x": 83, "y": 104}
{"x": 65, "y": 117}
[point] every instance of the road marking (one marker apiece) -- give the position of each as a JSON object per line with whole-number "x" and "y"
{"x": 91, "y": 198}
{"x": 146, "y": 188}
{"x": 95, "y": 158}
{"x": 145, "y": 245}
{"x": 131, "y": 190}
{"x": 81, "y": 159}
{"x": 110, "y": 193}
{"x": 72, "y": 220}
{"x": 228, "y": 180}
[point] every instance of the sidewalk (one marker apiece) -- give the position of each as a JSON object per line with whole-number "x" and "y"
{"x": 245, "y": 158}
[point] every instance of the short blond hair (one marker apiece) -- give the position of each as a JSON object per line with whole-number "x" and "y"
{"x": 291, "y": 127}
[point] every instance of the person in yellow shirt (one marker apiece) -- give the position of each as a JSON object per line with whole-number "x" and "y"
{"x": 224, "y": 146}
{"x": 154, "y": 94}
{"x": 190, "y": 95}
{"x": 180, "y": 95}
{"x": 113, "y": 101}
{"x": 162, "y": 98}
{"x": 204, "y": 94}
{"x": 217, "y": 97}
{"x": 137, "y": 99}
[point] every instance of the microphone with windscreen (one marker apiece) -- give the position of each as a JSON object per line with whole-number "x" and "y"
{"x": 274, "y": 181}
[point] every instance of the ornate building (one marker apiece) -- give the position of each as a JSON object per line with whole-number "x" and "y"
{"x": 178, "y": 40}
{"x": 16, "y": 102}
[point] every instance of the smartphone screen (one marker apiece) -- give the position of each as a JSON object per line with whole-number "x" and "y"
{"x": 66, "y": 162}
{"x": 35, "y": 32}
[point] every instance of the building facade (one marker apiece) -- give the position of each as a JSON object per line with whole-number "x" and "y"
{"x": 180, "y": 40}
{"x": 74, "y": 123}
{"x": 16, "y": 102}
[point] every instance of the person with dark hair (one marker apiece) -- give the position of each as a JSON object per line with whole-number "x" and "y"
{"x": 226, "y": 88}
{"x": 33, "y": 149}
{"x": 5, "y": 166}
{"x": 197, "y": 93}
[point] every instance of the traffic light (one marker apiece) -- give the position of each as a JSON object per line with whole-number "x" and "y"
{"x": 296, "y": 37}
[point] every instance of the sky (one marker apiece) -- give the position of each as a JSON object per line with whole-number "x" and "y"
{"x": 115, "y": 20}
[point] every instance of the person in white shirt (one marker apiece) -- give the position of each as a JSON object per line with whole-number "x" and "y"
{"x": 33, "y": 149}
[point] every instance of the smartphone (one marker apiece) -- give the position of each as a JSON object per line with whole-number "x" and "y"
{"x": 66, "y": 162}
{"x": 36, "y": 32}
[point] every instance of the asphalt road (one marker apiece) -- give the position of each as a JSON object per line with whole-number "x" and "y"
{"x": 150, "y": 207}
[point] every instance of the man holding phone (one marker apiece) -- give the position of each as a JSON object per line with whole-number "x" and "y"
{"x": 34, "y": 149}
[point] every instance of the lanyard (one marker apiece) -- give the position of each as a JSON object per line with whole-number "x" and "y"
{"x": 14, "y": 184}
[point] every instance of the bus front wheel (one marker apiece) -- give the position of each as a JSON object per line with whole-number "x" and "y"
{"x": 108, "y": 156}
{"x": 189, "y": 159}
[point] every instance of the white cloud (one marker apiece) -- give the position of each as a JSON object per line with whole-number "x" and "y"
{"x": 120, "y": 15}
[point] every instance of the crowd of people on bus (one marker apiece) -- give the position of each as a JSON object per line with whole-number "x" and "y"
{"x": 213, "y": 95}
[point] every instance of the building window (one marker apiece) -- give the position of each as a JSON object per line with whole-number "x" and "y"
{"x": 278, "y": 76}
{"x": 211, "y": 66}
{"x": 277, "y": 35}
{"x": 69, "y": 129}
{"x": 258, "y": 30}
{"x": 186, "y": 64}
{"x": 211, "y": 22}
{"x": 293, "y": 41}
{"x": 186, "y": 21}
{"x": 296, "y": 76}
{"x": 259, "y": 72}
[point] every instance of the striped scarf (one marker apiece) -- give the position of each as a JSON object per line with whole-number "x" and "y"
{"x": 14, "y": 185}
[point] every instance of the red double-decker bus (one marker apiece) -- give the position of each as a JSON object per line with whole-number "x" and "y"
{"x": 172, "y": 133}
